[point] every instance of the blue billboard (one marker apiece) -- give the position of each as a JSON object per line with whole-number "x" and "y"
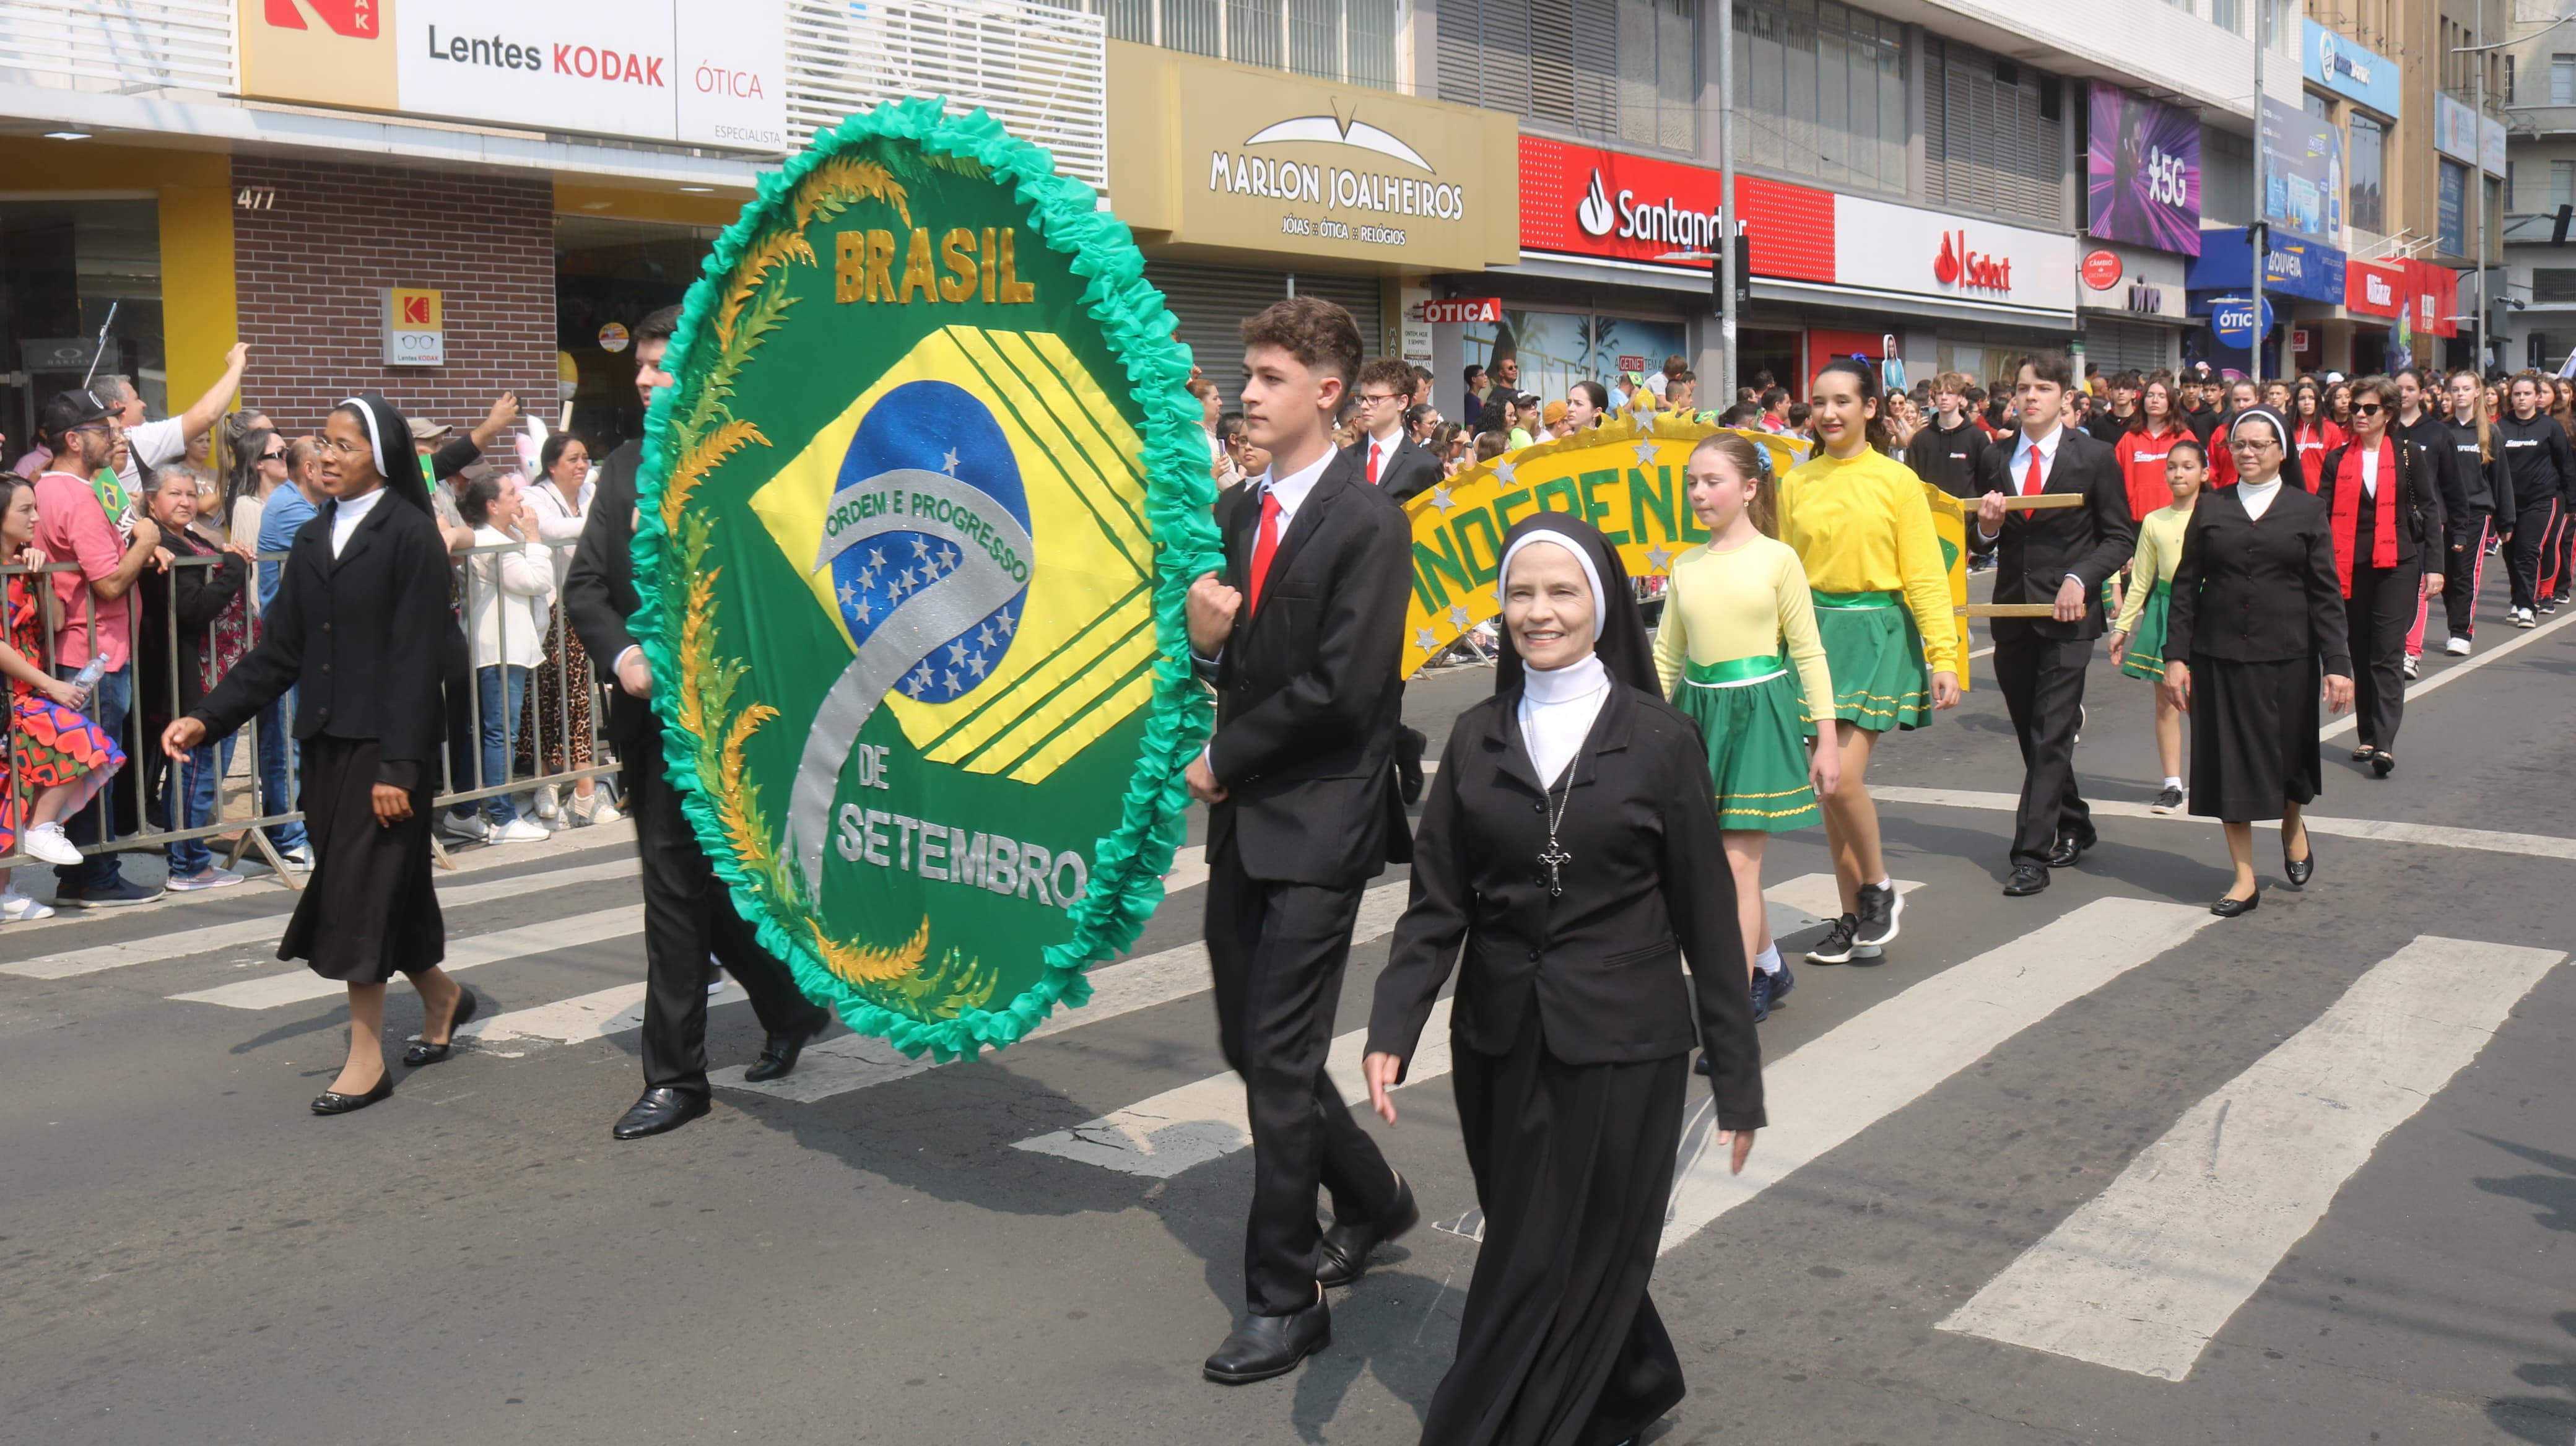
{"x": 2339, "y": 64}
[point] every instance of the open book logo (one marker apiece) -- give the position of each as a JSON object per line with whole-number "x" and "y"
{"x": 1339, "y": 130}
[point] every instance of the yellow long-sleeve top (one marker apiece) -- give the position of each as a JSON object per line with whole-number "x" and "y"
{"x": 1864, "y": 526}
{"x": 2159, "y": 550}
{"x": 1740, "y": 604}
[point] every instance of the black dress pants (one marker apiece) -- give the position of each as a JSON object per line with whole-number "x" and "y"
{"x": 2379, "y": 615}
{"x": 2464, "y": 570}
{"x": 2043, "y": 686}
{"x": 1277, "y": 951}
{"x": 2533, "y": 531}
{"x": 688, "y": 916}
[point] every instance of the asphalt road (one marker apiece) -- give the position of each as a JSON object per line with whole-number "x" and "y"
{"x": 2300, "y": 1177}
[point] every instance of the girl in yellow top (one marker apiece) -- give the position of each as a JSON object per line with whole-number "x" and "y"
{"x": 2138, "y": 637}
{"x": 1861, "y": 525}
{"x": 1734, "y": 599}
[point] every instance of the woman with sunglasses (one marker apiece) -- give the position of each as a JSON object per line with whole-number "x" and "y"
{"x": 2384, "y": 502}
{"x": 259, "y": 468}
{"x": 2255, "y": 616}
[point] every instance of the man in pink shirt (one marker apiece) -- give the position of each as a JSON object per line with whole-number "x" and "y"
{"x": 97, "y": 610}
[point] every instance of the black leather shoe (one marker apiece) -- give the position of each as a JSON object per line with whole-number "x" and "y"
{"x": 1345, "y": 1251}
{"x": 332, "y": 1102}
{"x": 427, "y": 1053}
{"x": 2299, "y": 871}
{"x": 2070, "y": 850}
{"x": 2383, "y": 763}
{"x": 1270, "y": 1345}
{"x": 778, "y": 1053}
{"x": 2027, "y": 879}
{"x": 660, "y": 1110}
{"x": 2229, "y": 908}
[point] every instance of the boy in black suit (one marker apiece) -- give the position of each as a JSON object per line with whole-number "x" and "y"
{"x": 2058, "y": 556}
{"x": 1302, "y": 636}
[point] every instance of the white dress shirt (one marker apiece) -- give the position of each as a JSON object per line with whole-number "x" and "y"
{"x": 2047, "y": 449}
{"x": 2369, "y": 471}
{"x": 1381, "y": 452}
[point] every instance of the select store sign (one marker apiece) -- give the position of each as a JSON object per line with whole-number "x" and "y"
{"x": 1582, "y": 203}
{"x": 698, "y": 72}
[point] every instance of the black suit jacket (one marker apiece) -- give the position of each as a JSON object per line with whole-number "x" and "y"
{"x": 2419, "y": 515}
{"x": 2258, "y": 591}
{"x": 194, "y": 597}
{"x": 1409, "y": 470}
{"x": 599, "y": 592}
{"x": 2038, "y": 551}
{"x": 366, "y": 637}
{"x": 1309, "y": 695}
{"x": 1603, "y": 965}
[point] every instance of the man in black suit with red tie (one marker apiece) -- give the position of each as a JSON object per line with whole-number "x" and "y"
{"x": 2059, "y": 556}
{"x": 1302, "y": 637}
{"x": 1403, "y": 469}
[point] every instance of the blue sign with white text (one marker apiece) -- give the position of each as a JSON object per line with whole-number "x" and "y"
{"x": 2232, "y": 317}
{"x": 2340, "y": 64}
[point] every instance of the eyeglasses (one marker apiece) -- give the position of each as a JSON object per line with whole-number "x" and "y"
{"x": 272, "y": 456}
{"x": 1374, "y": 397}
{"x": 338, "y": 448}
{"x": 91, "y": 427}
{"x": 2367, "y": 409}
{"x": 2250, "y": 444}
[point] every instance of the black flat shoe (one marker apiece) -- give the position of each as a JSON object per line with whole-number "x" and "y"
{"x": 427, "y": 1053}
{"x": 2363, "y": 753}
{"x": 332, "y": 1102}
{"x": 2070, "y": 850}
{"x": 1345, "y": 1251}
{"x": 2229, "y": 908}
{"x": 2383, "y": 763}
{"x": 2299, "y": 871}
{"x": 659, "y": 1110}
{"x": 1270, "y": 1345}
{"x": 778, "y": 1053}
{"x": 2027, "y": 879}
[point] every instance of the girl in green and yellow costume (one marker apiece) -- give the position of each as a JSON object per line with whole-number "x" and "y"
{"x": 1735, "y": 600}
{"x": 2138, "y": 636}
{"x": 1862, "y": 527}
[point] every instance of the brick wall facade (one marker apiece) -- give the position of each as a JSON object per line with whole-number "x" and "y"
{"x": 309, "y": 271}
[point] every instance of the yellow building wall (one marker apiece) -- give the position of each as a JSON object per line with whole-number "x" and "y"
{"x": 194, "y": 192}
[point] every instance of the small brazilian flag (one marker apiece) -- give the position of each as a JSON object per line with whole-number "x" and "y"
{"x": 1950, "y": 524}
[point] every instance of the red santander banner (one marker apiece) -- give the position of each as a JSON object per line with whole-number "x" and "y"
{"x": 1594, "y": 205}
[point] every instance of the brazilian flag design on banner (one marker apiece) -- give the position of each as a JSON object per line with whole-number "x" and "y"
{"x": 915, "y": 530}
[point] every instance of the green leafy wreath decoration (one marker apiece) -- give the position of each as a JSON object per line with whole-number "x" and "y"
{"x": 690, "y": 431}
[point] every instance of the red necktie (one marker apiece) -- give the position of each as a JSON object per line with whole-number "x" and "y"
{"x": 2032, "y": 483}
{"x": 1264, "y": 545}
{"x": 1372, "y": 468}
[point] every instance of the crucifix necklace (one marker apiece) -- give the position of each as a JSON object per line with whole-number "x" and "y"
{"x": 1555, "y": 858}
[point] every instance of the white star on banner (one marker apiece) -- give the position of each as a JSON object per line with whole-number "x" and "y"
{"x": 1440, "y": 497}
{"x": 1005, "y": 624}
{"x": 948, "y": 464}
{"x": 1504, "y": 468}
{"x": 1458, "y": 616}
{"x": 956, "y": 652}
{"x": 948, "y": 559}
{"x": 919, "y": 680}
{"x": 876, "y": 557}
{"x": 1425, "y": 639}
{"x": 953, "y": 684}
{"x": 1659, "y": 556}
{"x": 1645, "y": 421}
{"x": 862, "y": 611}
{"x": 920, "y": 547}
{"x": 1645, "y": 454}
{"x": 975, "y": 664}
{"x": 849, "y": 594}
{"x": 984, "y": 636}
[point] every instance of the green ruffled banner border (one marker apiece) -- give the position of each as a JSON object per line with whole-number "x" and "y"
{"x": 1126, "y": 881}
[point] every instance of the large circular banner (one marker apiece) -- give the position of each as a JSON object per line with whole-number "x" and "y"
{"x": 915, "y": 529}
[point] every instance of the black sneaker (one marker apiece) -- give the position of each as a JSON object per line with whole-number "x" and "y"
{"x": 116, "y": 893}
{"x": 1836, "y": 946}
{"x": 1879, "y": 908}
{"x": 2169, "y": 801}
{"x": 1761, "y": 997}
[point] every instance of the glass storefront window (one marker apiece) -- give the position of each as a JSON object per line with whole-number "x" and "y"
{"x": 2367, "y": 209}
{"x": 609, "y": 273}
{"x": 66, "y": 268}
{"x": 1820, "y": 91}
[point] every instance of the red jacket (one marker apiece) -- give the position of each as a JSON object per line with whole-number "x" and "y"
{"x": 2142, "y": 466}
{"x": 2315, "y": 438}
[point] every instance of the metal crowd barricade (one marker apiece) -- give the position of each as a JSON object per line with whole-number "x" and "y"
{"x": 550, "y": 721}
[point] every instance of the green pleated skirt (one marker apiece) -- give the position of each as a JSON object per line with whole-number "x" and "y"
{"x": 1748, "y": 713}
{"x": 1875, "y": 654}
{"x": 2144, "y": 656}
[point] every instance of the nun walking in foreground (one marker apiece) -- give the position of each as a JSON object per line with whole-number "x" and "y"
{"x": 1571, "y": 846}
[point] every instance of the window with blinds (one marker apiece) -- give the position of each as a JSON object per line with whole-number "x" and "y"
{"x": 2553, "y": 285}
{"x": 1618, "y": 70}
{"x": 1820, "y": 91}
{"x": 1353, "y": 41}
{"x": 1211, "y": 302}
{"x": 1994, "y": 134}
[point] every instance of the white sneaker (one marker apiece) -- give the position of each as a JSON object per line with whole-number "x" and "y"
{"x": 209, "y": 877}
{"x": 2457, "y": 647}
{"x": 46, "y": 841}
{"x": 464, "y": 828}
{"x": 595, "y": 809}
{"x": 521, "y": 830}
{"x": 547, "y": 804}
{"x": 2414, "y": 667}
{"x": 17, "y": 908}
{"x": 2522, "y": 618}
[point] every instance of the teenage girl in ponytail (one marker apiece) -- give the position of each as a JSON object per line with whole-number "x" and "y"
{"x": 1862, "y": 527}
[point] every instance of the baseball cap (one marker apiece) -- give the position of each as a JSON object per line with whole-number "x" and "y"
{"x": 73, "y": 407}
{"x": 427, "y": 431}
{"x": 1554, "y": 413}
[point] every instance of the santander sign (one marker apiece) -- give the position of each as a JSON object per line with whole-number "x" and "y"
{"x": 1958, "y": 265}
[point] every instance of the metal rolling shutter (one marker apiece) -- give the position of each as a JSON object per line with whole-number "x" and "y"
{"x": 1211, "y": 302}
{"x": 2117, "y": 346}
{"x": 1356, "y": 294}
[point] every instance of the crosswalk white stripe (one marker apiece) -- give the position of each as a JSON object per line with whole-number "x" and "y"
{"x": 2145, "y": 1273}
{"x": 1892, "y": 1054}
{"x": 2534, "y": 845}
{"x": 470, "y": 952}
{"x": 596, "y": 1015}
{"x": 265, "y": 930}
{"x": 1204, "y": 1120}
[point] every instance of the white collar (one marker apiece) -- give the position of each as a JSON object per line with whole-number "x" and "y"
{"x": 1554, "y": 687}
{"x": 2257, "y": 496}
{"x": 1291, "y": 490}
{"x": 1557, "y": 710}
{"x": 351, "y": 513}
{"x": 2047, "y": 446}
{"x": 1390, "y": 443}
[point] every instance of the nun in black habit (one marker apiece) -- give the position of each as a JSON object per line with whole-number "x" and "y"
{"x": 362, "y": 628}
{"x": 1570, "y": 845}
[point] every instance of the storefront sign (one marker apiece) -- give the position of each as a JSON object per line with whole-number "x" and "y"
{"x": 2303, "y": 175}
{"x": 2339, "y": 64}
{"x": 2102, "y": 270}
{"x": 2143, "y": 172}
{"x": 1457, "y": 310}
{"x": 2134, "y": 279}
{"x": 2434, "y": 292}
{"x": 1905, "y": 251}
{"x": 2295, "y": 268}
{"x": 2298, "y": 338}
{"x": 415, "y": 330}
{"x": 1227, "y": 156}
{"x": 1588, "y": 204}
{"x": 697, "y": 72}
{"x": 612, "y": 337}
{"x": 2232, "y": 318}
{"x": 2455, "y": 129}
{"x": 2374, "y": 288}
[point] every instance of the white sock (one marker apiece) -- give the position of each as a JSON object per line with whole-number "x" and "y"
{"x": 2172, "y": 782}
{"x": 1885, "y": 883}
{"x": 1768, "y": 961}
